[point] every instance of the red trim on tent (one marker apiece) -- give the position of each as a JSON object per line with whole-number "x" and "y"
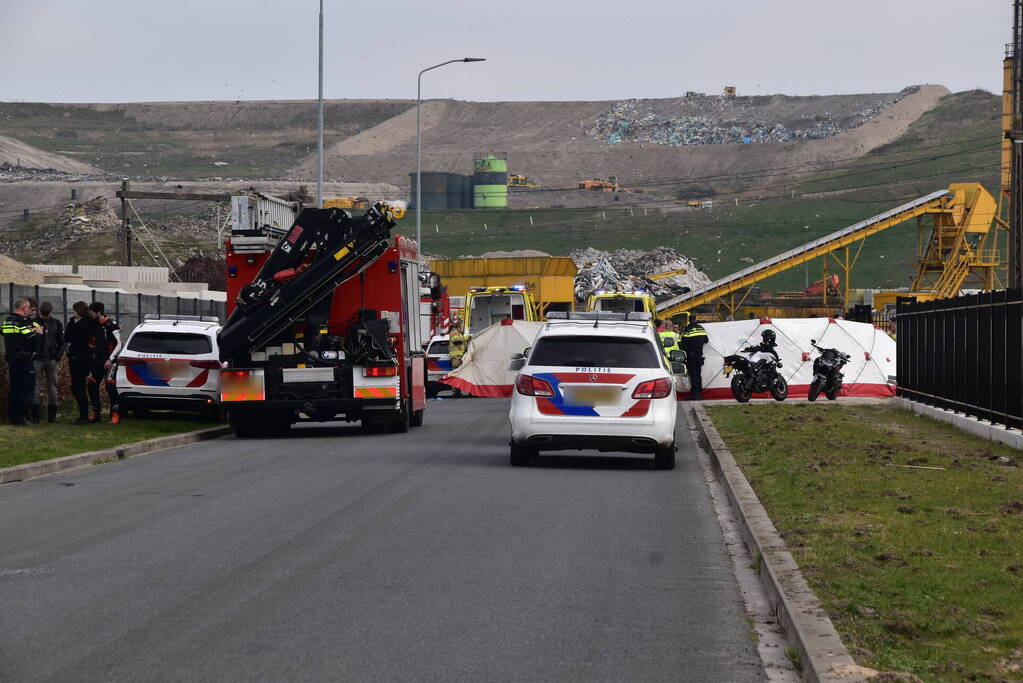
{"x": 481, "y": 390}
{"x": 765, "y": 321}
{"x": 800, "y": 391}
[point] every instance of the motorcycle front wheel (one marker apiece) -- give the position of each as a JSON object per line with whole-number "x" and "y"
{"x": 833, "y": 391}
{"x": 740, "y": 391}
{"x": 815, "y": 389}
{"x": 780, "y": 389}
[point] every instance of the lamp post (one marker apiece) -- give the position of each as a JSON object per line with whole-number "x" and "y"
{"x": 419, "y": 147}
{"x": 319, "y": 124}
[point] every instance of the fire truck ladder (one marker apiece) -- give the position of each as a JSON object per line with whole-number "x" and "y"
{"x": 284, "y": 289}
{"x": 940, "y": 202}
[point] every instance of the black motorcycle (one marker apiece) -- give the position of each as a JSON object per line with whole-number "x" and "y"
{"x": 827, "y": 373}
{"x": 756, "y": 374}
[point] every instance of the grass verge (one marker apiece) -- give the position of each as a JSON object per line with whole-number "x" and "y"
{"x": 21, "y": 445}
{"x": 921, "y": 570}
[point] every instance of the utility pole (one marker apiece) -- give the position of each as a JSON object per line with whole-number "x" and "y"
{"x": 125, "y": 224}
{"x": 319, "y": 124}
{"x": 1015, "y": 279}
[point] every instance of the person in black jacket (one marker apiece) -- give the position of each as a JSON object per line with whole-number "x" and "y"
{"x": 47, "y": 361}
{"x": 21, "y": 343}
{"x": 103, "y": 371}
{"x": 82, "y": 336}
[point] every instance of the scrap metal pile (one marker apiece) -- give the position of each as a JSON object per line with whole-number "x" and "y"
{"x": 713, "y": 120}
{"x": 630, "y": 269}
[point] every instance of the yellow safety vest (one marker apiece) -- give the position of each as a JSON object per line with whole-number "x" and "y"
{"x": 673, "y": 346}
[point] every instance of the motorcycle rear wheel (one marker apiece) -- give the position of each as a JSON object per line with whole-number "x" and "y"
{"x": 780, "y": 389}
{"x": 833, "y": 392}
{"x": 740, "y": 391}
{"x": 815, "y": 389}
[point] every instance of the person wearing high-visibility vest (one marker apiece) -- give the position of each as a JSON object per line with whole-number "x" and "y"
{"x": 669, "y": 338}
{"x": 21, "y": 343}
{"x": 694, "y": 336}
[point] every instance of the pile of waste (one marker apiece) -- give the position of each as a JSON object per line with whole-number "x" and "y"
{"x": 630, "y": 269}
{"x": 710, "y": 120}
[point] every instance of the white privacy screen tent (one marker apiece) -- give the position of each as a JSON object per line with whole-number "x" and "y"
{"x": 484, "y": 370}
{"x": 872, "y": 351}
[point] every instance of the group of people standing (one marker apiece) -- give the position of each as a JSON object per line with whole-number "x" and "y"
{"x": 35, "y": 343}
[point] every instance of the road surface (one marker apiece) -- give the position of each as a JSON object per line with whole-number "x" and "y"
{"x": 333, "y": 555}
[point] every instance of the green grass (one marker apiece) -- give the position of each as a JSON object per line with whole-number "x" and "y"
{"x": 921, "y": 570}
{"x": 20, "y": 445}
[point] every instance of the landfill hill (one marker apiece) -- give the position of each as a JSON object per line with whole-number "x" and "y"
{"x": 645, "y": 143}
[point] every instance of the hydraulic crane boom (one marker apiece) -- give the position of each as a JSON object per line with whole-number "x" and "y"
{"x": 321, "y": 250}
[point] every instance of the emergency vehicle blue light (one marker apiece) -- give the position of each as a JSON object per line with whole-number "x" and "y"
{"x": 232, "y": 271}
{"x": 392, "y": 266}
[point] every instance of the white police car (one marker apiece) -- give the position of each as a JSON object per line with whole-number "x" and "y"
{"x": 171, "y": 363}
{"x": 594, "y": 381}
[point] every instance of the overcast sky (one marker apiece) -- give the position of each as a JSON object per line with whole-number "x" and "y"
{"x": 153, "y": 50}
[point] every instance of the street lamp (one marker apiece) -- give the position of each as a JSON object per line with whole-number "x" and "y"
{"x": 419, "y": 147}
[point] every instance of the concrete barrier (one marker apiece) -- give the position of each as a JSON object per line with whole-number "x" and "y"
{"x": 70, "y": 462}
{"x": 971, "y": 425}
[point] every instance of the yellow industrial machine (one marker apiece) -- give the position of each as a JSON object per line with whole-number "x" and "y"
{"x": 694, "y": 204}
{"x": 346, "y": 203}
{"x": 549, "y": 280}
{"x": 668, "y": 273}
{"x": 516, "y": 180}
{"x": 601, "y": 185}
{"x": 957, "y": 242}
{"x": 613, "y": 301}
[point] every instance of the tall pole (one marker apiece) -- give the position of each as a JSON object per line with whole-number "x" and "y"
{"x": 1015, "y": 279}
{"x": 125, "y": 224}
{"x": 319, "y": 124}
{"x": 419, "y": 145}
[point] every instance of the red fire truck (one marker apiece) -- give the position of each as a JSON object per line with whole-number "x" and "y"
{"x": 323, "y": 323}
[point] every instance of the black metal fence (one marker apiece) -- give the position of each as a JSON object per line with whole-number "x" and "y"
{"x": 128, "y": 309}
{"x": 964, "y": 354}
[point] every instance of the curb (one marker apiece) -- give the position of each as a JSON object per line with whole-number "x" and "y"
{"x": 971, "y": 425}
{"x": 70, "y": 462}
{"x": 807, "y": 626}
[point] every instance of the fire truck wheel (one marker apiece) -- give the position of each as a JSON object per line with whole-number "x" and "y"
{"x": 417, "y": 418}
{"x": 244, "y": 426}
{"x": 399, "y": 424}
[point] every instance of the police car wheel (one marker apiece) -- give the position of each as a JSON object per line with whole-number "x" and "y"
{"x": 664, "y": 458}
{"x": 520, "y": 455}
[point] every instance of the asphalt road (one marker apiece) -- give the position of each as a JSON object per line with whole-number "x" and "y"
{"x": 331, "y": 555}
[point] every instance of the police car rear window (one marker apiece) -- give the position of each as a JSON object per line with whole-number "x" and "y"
{"x": 604, "y": 352}
{"x": 170, "y": 343}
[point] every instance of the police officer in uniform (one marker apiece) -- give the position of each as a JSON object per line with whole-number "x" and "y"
{"x": 21, "y": 343}
{"x": 694, "y": 336}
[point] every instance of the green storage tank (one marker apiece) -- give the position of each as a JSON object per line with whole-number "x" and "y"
{"x": 490, "y": 180}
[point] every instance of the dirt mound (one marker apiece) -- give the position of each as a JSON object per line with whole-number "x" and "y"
{"x": 18, "y": 273}
{"x": 17, "y": 154}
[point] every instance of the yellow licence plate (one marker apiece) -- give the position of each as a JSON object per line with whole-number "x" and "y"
{"x": 592, "y": 396}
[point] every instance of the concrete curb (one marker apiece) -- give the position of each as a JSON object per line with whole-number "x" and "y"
{"x": 970, "y": 425}
{"x": 70, "y": 462}
{"x": 807, "y": 627}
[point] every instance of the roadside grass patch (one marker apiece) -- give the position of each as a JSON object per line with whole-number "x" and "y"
{"x": 21, "y": 445}
{"x": 921, "y": 570}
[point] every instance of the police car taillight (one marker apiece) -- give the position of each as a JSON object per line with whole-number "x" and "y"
{"x": 654, "y": 388}
{"x": 527, "y": 385}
